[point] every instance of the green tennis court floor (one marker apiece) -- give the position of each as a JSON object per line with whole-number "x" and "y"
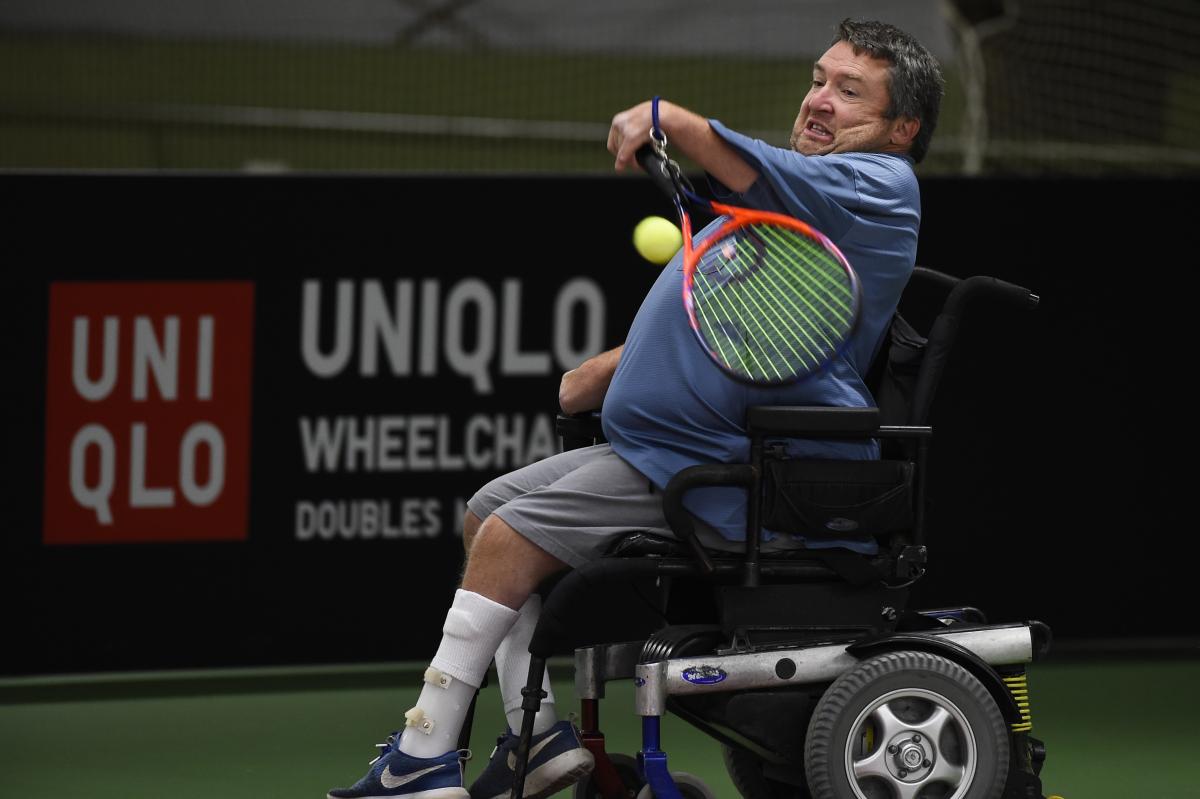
{"x": 1118, "y": 728}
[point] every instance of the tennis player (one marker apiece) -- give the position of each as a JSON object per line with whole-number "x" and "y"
{"x": 868, "y": 116}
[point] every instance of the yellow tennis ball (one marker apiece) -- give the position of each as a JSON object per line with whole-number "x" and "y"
{"x": 657, "y": 239}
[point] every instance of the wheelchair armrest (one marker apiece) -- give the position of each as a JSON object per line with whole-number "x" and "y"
{"x": 983, "y": 286}
{"x": 810, "y": 421}
{"x": 693, "y": 477}
{"x": 826, "y": 422}
{"x": 579, "y": 429}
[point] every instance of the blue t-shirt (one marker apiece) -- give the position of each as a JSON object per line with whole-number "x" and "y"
{"x": 670, "y": 407}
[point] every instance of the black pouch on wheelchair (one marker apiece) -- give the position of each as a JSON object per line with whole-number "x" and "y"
{"x": 838, "y": 499}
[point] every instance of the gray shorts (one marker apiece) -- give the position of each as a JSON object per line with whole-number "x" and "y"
{"x": 577, "y": 504}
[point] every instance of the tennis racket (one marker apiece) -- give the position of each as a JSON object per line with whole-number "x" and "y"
{"x": 771, "y": 300}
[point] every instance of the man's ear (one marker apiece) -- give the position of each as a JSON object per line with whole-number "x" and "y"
{"x": 904, "y": 130}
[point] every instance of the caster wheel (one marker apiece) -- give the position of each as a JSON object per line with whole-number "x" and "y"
{"x": 627, "y": 770}
{"x": 907, "y": 725}
{"x": 690, "y": 787}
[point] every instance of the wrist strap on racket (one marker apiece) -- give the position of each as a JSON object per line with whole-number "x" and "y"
{"x": 658, "y": 140}
{"x": 656, "y": 133}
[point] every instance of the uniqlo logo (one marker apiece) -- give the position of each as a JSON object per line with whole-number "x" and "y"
{"x": 148, "y": 412}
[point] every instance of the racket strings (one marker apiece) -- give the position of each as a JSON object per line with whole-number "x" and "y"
{"x": 780, "y": 293}
{"x": 814, "y": 263}
{"x": 772, "y": 303}
{"x": 811, "y": 282}
{"x": 744, "y": 308}
{"x": 756, "y": 351}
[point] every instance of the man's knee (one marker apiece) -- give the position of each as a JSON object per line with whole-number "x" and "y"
{"x": 491, "y": 535}
{"x": 471, "y": 524}
{"x": 505, "y": 566}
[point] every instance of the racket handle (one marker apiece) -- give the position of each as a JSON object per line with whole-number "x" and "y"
{"x": 655, "y": 167}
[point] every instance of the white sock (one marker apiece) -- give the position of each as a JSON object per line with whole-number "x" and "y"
{"x": 512, "y": 667}
{"x": 474, "y": 628}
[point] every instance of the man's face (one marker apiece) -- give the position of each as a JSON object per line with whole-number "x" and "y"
{"x": 845, "y": 106}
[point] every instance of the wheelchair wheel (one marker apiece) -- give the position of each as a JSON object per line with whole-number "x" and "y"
{"x": 627, "y": 770}
{"x": 907, "y": 725}
{"x": 746, "y": 774}
{"x": 690, "y": 787}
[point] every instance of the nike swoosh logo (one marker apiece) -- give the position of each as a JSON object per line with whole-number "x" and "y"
{"x": 533, "y": 751}
{"x": 390, "y": 780}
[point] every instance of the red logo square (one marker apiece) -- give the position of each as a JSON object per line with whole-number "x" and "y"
{"x": 148, "y": 412}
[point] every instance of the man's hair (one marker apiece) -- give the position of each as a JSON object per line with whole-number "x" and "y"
{"x": 915, "y": 84}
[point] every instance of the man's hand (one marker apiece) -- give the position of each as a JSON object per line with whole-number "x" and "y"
{"x": 630, "y": 130}
{"x": 583, "y": 389}
{"x": 687, "y": 133}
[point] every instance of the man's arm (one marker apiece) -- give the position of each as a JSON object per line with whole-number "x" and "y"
{"x": 688, "y": 133}
{"x": 583, "y": 388}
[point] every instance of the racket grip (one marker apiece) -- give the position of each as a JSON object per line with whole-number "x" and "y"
{"x": 655, "y": 167}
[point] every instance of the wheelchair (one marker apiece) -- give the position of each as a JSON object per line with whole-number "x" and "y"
{"x": 807, "y": 666}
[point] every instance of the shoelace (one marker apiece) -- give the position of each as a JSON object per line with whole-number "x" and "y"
{"x": 384, "y": 748}
{"x": 391, "y": 743}
{"x": 499, "y": 743}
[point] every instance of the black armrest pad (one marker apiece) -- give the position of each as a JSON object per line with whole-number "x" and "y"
{"x": 814, "y": 420}
{"x": 586, "y": 424}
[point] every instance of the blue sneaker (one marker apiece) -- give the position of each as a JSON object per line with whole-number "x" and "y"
{"x": 556, "y": 759}
{"x": 395, "y": 774}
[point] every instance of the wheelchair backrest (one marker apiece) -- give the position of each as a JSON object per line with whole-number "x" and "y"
{"x": 905, "y": 374}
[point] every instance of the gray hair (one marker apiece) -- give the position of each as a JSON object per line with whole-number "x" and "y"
{"x": 915, "y": 87}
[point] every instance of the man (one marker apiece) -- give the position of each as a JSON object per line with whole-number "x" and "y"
{"x": 868, "y": 116}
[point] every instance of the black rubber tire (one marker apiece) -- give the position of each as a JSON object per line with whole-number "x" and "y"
{"x": 746, "y": 774}
{"x": 930, "y": 679}
{"x": 626, "y": 767}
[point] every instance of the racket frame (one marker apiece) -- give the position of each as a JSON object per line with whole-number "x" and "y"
{"x": 671, "y": 181}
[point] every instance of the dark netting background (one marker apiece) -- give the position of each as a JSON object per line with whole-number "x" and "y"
{"x": 1034, "y": 88}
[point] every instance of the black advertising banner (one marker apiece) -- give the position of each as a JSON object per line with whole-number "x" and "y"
{"x": 244, "y": 414}
{"x": 259, "y": 406}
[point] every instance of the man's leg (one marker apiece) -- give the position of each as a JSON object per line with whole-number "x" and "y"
{"x": 471, "y": 524}
{"x": 512, "y": 658}
{"x": 505, "y": 566}
{"x": 556, "y": 758}
{"x": 502, "y": 571}
{"x": 512, "y": 671}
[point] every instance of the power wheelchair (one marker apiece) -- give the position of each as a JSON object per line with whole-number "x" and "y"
{"x": 807, "y": 666}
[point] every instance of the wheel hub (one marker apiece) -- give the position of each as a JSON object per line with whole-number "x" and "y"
{"x": 912, "y": 756}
